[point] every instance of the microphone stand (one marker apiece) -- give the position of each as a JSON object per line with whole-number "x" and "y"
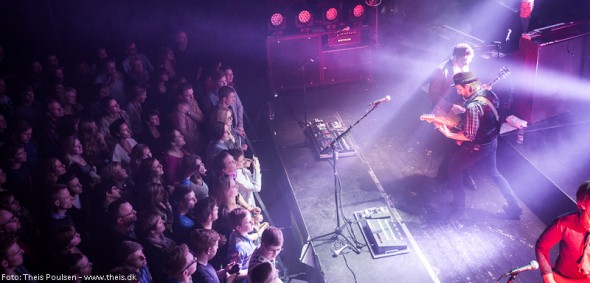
{"x": 302, "y": 69}
{"x": 338, "y": 188}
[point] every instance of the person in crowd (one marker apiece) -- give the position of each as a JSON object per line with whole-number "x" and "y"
{"x": 225, "y": 115}
{"x": 6, "y": 103}
{"x": 224, "y": 163}
{"x": 113, "y": 79}
{"x": 77, "y": 164}
{"x": 211, "y": 98}
{"x": 9, "y": 223}
{"x": 194, "y": 171}
{"x": 76, "y": 264}
{"x": 130, "y": 254}
{"x": 264, "y": 273}
{"x": 65, "y": 240}
{"x": 78, "y": 209}
{"x": 11, "y": 257}
{"x": 271, "y": 244}
{"x": 180, "y": 264}
{"x": 101, "y": 197}
{"x": 137, "y": 75}
{"x": 479, "y": 142}
{"x": 115, "y": 172}
{"x": 571, "y": 232}
{"x": 59, "y": 201}
{"x": 205, "y": 244}
{"x": 18, "y": 173}
{"x": 185, "y": 201}
{"x": 93, "y": 143}
{"x": 138, "y": 153}
{"x": 248, "y": 182}
{"x": 167, "y": 61}
{"x": 111, "y": 113}
{"x": 151, "y": 135}
{"x": 160, "y": 96}
{"x": 185, "y": 57}
{"x": 22, "y": 134}
{"x": 70, "y": 102}
{"x": 28, "y": 108}
{"x": 49, "y": 171}
{"x": 228, "y": 98}
{"x": 220, "y": 135}
{"x": 120, "y": 131}
{"x": 205, "y": 213}
{"x": 150, "y": 171}
{"x": 134, "y": 108}
{"x": 121, "y": 227}
{"x": 172, "y": 159}
{"x": 240, "y": 245}
{"x": 48, "y": 134}
{"x": 132, "y": 53}
{"x": 154, "y": 198}
{"x": 186, "y": 118}
{"x": 151, "y": 228}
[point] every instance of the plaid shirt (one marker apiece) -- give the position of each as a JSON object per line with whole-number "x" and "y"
{"x": 473, "y": 112}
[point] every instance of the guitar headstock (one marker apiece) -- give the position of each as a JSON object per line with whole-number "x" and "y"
{"x": 504, "y": 72}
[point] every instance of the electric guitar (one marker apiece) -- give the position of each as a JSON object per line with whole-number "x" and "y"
{"x": 451, "y": 119}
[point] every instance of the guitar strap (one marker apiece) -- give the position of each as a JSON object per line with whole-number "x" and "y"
{"x": 486, "y": 101}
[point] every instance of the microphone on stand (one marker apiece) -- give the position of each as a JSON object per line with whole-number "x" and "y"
{"x": 531, "y": 266}
{"x": 380, "y": 100}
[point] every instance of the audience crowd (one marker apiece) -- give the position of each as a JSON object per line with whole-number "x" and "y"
{"x": 132, "y": 168}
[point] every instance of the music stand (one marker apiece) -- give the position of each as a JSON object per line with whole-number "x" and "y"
{"x": 338, "y": 188}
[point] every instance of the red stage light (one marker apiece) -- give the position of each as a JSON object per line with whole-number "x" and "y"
{"x": 304, "y": 17}
{"x": 358, "y": 10}
{"x": 277, "y": 19}
{"x": 331, "y": 14}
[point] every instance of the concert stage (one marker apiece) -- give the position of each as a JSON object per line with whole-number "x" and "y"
{"x": 444, "y": 246}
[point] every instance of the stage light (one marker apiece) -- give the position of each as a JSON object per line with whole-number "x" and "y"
{"x": 277, "y": 20}
{"x": 357, "y": 15}
{"x": 358, "y": 11}
{"x": 277, "y": 24}
{"x": 304, "y": 21}
{"x": 331, "y": 17}
{"x": 331, "y": 14}
{"x": 304, "y": 17}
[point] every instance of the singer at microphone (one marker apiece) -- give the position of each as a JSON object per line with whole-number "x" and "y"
{"x": 380, "y": 100}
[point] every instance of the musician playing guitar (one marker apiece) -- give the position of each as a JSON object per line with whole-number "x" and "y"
{"x": 572, "y": 232}
{"x": 445, "y": 100}
{"x": 479, "y": 139}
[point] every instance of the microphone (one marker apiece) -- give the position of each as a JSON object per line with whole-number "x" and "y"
{"x": 380, "y": 100}
{"x": 531, "y": 266}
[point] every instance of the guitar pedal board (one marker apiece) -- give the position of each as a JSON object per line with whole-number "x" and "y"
{"x": 322, "y": 132}
{"x": 382, "y": 232}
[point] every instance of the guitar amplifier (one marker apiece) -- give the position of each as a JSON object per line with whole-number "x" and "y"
{"x": 383, "y": 234}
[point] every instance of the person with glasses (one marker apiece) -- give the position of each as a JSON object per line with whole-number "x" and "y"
{"x": 271, "y": 244}
{"x": 9, "y": 223}
{"x": 120, "y": 228}
{"x": 130, "y": 254}
{"x": 180, "y": 264}
{"x": 205, "y": 244}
